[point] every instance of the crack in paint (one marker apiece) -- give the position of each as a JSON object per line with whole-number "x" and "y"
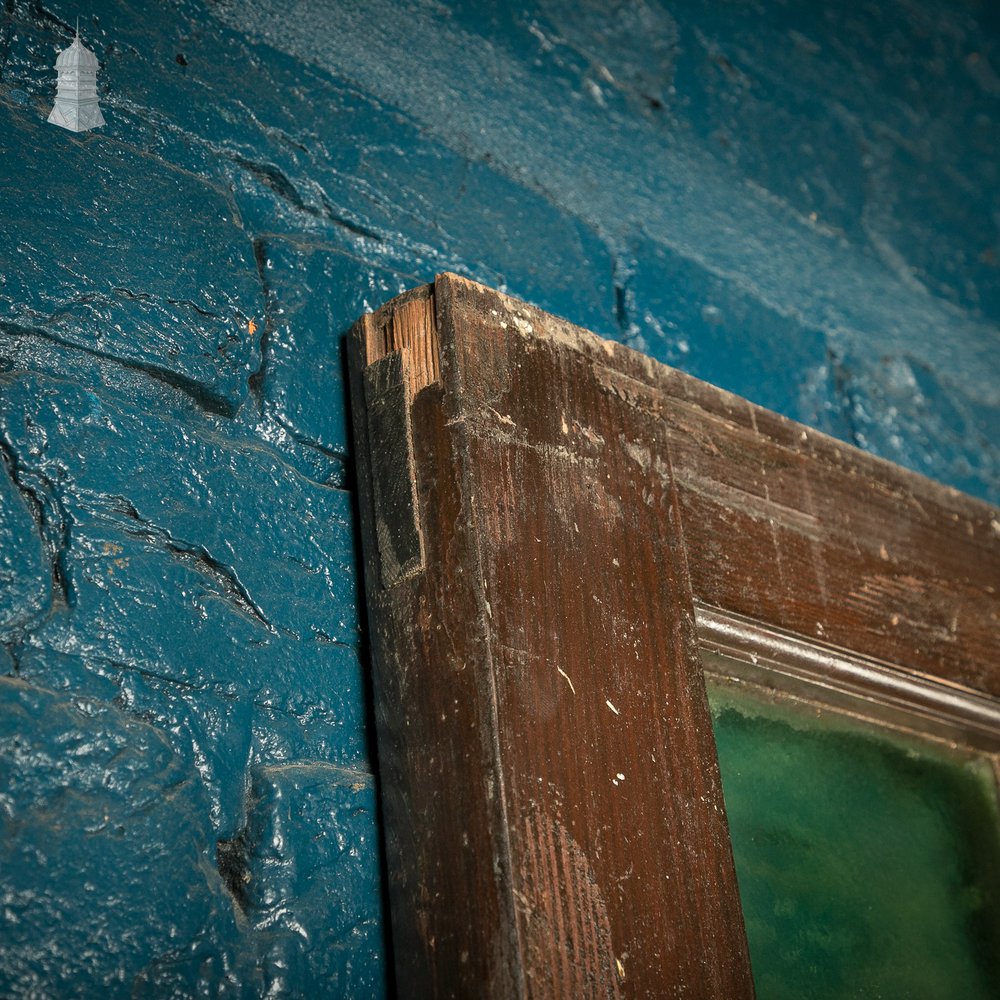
{"x": 276, "y": 181}
{"x": 341, "y": 477}
{"x": 195, "y": 555}
{"x": 13, "y": 650}
{"x": 232, "y": 858}
{"x": 46, "y": 15}
{"x": 90, "y": 297}
{"x": 194, "y": 305}
{"x": 256, "y": 381}
{"x": 622, "y": 273}
{"x": 201, "y": 395}
{"x": 51, "y": 521}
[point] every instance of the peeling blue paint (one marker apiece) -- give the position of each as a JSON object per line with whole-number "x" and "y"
{"x": 801, "y": 205}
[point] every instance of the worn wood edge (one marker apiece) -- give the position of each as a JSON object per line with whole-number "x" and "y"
{"x": 427, "y": 964}
{"x": 405, "y": 323}
{"x": 452, "y": 294}
{"x": 393, "y": 478}
{"x": 444, "y": 294}
{"x": 372, "y": 344}
{"x": 954, "y": 521}
{"x": 951, "y": 520}
{"x": 688, "y": 391}
{"x": 695, "y": 396}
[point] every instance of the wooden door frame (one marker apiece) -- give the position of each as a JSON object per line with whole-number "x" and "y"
{"x": 538, "y": 505}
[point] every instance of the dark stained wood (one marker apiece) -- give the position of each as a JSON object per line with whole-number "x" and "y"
{"x": 394, "y": 496}
{"x": 452, "y": 911}
{"x": 553, "y": 809}
{"x": 787, "y": 526}
{"x": 553, "y": 804}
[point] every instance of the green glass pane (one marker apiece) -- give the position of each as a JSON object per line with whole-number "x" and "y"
{"x": 868, "y": 861}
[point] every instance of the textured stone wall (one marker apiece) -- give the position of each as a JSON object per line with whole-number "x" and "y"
{"x": 797, "y": 202}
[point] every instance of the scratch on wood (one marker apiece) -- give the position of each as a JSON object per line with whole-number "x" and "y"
{"x": 760, "y": 508}
{"x": 568, "y": 681}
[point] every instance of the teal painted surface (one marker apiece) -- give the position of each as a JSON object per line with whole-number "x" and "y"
{"x": 868, "y": 863}
{"x": 799, "y": 204}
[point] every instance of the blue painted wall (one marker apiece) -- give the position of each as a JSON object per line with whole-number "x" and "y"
{"x": 798, "y": 202}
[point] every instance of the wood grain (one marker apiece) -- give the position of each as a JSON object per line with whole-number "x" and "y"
{"x": 554, "y": 815}
{"x": 453, "y": 927}
{"x": 553, "y": 803}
